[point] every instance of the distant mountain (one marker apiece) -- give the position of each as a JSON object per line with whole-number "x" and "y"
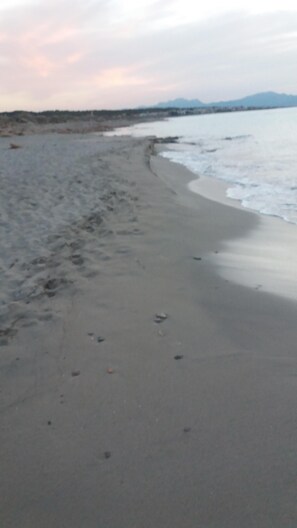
{"x": 259, "y": 100}
{"x": 181, "y": 103}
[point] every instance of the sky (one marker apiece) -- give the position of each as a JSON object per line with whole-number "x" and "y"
{"x": 113, "y": 54}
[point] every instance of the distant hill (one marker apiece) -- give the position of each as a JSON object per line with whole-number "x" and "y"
{"x": 181, "y": 103}
{"x": 259, "y": 100}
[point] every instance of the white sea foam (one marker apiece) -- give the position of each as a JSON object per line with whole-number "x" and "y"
{"x": 254, "y": 152}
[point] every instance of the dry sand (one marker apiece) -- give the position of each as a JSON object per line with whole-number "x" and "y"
{"x": 108, "y": 418}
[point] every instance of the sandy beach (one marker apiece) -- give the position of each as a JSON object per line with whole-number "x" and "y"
{"x": 140, "y": 386}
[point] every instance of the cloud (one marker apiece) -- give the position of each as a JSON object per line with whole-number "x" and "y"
{"x": 98, "y": 53}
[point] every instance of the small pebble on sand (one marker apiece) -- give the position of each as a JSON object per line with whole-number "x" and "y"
{"x": 160, "y": 317}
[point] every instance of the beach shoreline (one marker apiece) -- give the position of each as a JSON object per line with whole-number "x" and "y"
{"x": 148, "y": 390}
{"x": 264, "y": 257}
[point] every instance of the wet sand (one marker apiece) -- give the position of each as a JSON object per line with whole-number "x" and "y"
{"x": 109, "y": 418}
{"x": 265, "y": 259}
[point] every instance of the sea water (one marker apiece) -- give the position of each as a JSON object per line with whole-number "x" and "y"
{"x": 254, "y": 152}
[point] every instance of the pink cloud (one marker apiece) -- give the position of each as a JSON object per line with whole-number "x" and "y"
{"x": 116, "y": 77}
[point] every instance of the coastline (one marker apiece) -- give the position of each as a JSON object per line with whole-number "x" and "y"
{"x": 264, "y": 257}
{"x": 181, "y": 423}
